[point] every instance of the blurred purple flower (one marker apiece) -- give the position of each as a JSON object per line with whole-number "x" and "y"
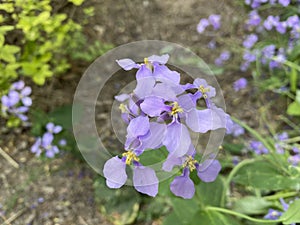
{"x": 253, "y": 19}
{"x": 284, "y": 3}
{"x": 240, "y": 84}
{"x": 271, "y": 22}
{"x": 294, "y": 160}
{"x": 215, "y": 20}
{"x": 236, "y": 130}
{"x": 250, "y": 40}
{"x": 258, "y": 147}
{"x": 202, "y": 25}
{"x": 273, "y": 214}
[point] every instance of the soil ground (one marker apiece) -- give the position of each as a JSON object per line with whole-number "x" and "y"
{"x": 60, "y": 191}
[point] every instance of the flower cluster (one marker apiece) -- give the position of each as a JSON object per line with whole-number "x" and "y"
{"x": 44, "y": 144}
{"x": 272, "y": 55}
{"x": 280, "y": 146}
{"x": 214, "y": 20}
{"x": 17, "y": 102}
{"x": 162, "y": 112}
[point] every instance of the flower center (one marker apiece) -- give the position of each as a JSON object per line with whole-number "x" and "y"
{"x": 176, "y": 109}
{"x": 130, "y": 156}
{"x": 123, "y": 108}
{"x": 148, "y": 64}
{"x": 203, "y": 90}
{"x": 190, "y": 163}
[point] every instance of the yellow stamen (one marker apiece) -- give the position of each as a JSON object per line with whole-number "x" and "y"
{"x": 130, "y": 156}
{"x": 123, "y": 108}
{"x": 176, "y": 109}
{"x": 146, "y": 61}
{"x": 203, "y": 90}
{"x": 190, "y": 163}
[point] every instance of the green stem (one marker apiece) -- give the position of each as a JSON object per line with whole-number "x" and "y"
{"x": 281, "y": 195}
{"x": 230, "y": 176}
{"x": 227, "y": 211}
{"x": 269, "y": 146}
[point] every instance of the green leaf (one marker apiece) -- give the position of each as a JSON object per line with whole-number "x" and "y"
{"x": 294, "y": 109}
{"x": 213, "y": 218}
{"x": 292, "y": 215}
{"x": 154, "y": 156}
{"x": 76, "y": 2}
{"x": 63, "y": 115}
{"x": 263, "y": 175}
{"x": 210, "y": 193}
{"x": 293, "y": 79}
{"x": 172, "y": 219}
{"x": 120, "y": 206}
{"x": 251, "y": 205}
{"x": 5, "y": 28}
{"x": 185, "y": 209}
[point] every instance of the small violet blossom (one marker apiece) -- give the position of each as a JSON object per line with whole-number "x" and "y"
{"x": 240, "y": 84}
{"x": 44, "y": 144}
{"x": 17, "y": 102}
{"x": 214, "y": 20}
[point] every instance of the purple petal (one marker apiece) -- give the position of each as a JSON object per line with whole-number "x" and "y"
{"x": 5, "y": 101}
{"x": 171, "y": 161}
{"x": 164, "y": 74}
{"x": 50, "y": 154}
{"x": 50, "y": 127}
{"x": 115, "y": 172}
{"x": 22, "y": 109}
{"x": 14, "y": 97}
{"x": 145, "y": 180}
{"x": 26, "y": 101}
{"x": 122, "y": 97}
{"x": 55, "y": 149}
{"x": 47, "y": 139}
{"x": 57, "y": 129}
{"x": 138, "y": 126}
{"x": 62, "y": 142}
{"x": 186, "y": 102}
{"x": 209, "y": 170}
{"x": 26, "y": 91}
{"x": 22, "y": 117}
{"x": 164, "y": 91}
{"x": 177, "y": 139}
{"x": 144, "y": 87}
{"x": 143, "y": 72}
{"x": 18, "y": 85}
{"x": 36, "y": 146}
{"x": 155, "y": 137}
{"x": 127, "y": 64}
{"x": 153, "y": 106}
{"x": 183, "y": 186}
{"x": 163, "y": 59}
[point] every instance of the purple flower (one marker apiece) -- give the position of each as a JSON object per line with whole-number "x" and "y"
{"x": 45, "y": 143}
{"x": 54, "y": 129}
{"x": 17, "y": 101}
{"x": 258, "y": 148}
{"x": 236, "y": 130}
{"x": 250, "y": 41}
{"x": 284, "y": 3}
{"x": 273, "y": 214}
{"x": 249, "y": 56}
{"x": 268, "y": 52}
{"x": 271, "y": 22}
{"x": 240, "y": 84}
{"x": 215, "y": 21}
{"x": 183, "y": 186}
{"x": 253, "y": 19}
{"x": 212, "y": 44}
{"x": 144, "y": 178}
{"x": 294, "y": 160}
{"x": 224, "y": 56}
{"x": 202, "y": 25}
{"x": 281, "y": 27}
